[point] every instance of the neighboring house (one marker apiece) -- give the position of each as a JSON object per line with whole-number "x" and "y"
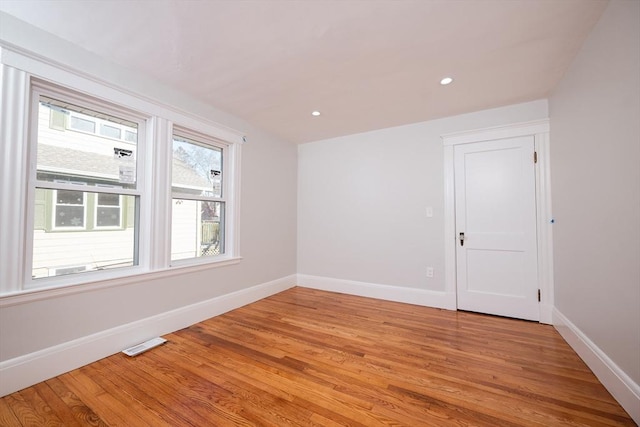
{"x": 78, "y": 231}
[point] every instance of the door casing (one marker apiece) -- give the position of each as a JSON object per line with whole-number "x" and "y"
{"x": 539, "y": 129}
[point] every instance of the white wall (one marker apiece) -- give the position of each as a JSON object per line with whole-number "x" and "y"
{"x": 362, "y": 200}
{"x": 595, "y": 144}
{"x": 268, "y": 221}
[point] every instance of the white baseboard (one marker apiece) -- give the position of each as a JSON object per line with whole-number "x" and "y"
{"x": 617, "y": 382}
{"x": 385, "y": 292}
{"x": 32, "y": 368}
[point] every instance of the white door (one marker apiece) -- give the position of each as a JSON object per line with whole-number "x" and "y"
{"x": 495, "y": 207}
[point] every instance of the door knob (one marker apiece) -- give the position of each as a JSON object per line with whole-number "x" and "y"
{"x": 461, "y": 239}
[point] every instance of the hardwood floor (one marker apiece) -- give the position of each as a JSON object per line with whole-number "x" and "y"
{"x": 313, "y": 358}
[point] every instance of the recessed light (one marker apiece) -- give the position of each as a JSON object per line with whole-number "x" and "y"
{"x": 315, "y": 113}
{"x": 446, "y": 81}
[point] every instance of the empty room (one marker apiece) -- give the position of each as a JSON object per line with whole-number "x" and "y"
{"x": 319, "y": 213}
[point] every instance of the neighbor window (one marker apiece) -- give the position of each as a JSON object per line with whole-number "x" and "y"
{"x": 82, "y": 124}
{"x": 85, "y": 177}
{"x": 108, "y": 210}
{"x": 110, "y": 131}
{"x": 198, "y": 203}
{"x": 69, "y": 209}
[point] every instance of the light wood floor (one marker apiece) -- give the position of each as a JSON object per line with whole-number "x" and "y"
{"x": 312, "y": 358}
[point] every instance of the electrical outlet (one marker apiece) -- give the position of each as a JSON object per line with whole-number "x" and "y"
{"x": 429, "y": 271}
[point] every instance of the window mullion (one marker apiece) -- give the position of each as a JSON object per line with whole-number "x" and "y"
{"x": 14, "y": 107}
{"x": 157, "y": 228}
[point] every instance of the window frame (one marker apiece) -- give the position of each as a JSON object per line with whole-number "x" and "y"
{"x": 37, "y": 90}
{"x": 205, "y": 141}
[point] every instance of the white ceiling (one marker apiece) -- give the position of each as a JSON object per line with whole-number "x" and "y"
{"x": 365, "y": 64}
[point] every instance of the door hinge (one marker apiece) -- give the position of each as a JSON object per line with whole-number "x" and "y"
{"x": 538, "y": 295}
{"x": 535, "y": 157}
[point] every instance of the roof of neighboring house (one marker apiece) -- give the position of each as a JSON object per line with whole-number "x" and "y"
{"x": 57, "y": 159}
{"x": 183, "y": 175}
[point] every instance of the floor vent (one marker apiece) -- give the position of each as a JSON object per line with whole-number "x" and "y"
{"x": 141, "y": 348}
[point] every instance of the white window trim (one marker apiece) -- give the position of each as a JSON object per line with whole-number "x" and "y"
{"x": 18, "y": 69}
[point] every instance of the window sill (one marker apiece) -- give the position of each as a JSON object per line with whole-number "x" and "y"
{"x": 44, "y": 293}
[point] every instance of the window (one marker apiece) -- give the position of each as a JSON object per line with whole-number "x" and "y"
{"x": 130, "y": 135}
{"x": 108, "y": 210}
{"x": 78, "y": 173}
{"x": 77, "y": 121}
{"x": 82, "y": 124}
{"x": 69, "y": 209}
{"x": 110, "y": 131}
{"x": 198, "y": 205}
{"x": 83, "y": 157}
{"x": 101, "y": 192}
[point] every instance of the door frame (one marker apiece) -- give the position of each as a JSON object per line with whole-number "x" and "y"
{"x": 539, "y": 129}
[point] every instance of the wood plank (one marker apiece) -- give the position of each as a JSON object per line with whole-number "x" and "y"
{"x": 271, "y": 382}
{"x": 41, "y": 406}
{"x": 256, "y": 401}
{"x": 313, "y": 358}
{"x": 24, "y": 410}
{"x": 55, "y": 404}
{"x": 7, "y": 416}
{"x": 80, "y": 412}
{"x": 170, "y": 389}
{"x": 108, "y": 407}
